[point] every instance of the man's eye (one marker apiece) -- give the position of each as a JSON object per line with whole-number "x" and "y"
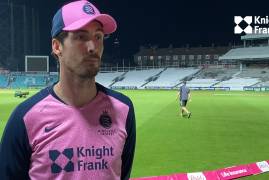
{"x": 81, "y": 37}
{"x": 99, "y": 37}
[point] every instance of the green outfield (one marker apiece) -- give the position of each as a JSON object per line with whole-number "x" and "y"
{"x": 226, "y": 128}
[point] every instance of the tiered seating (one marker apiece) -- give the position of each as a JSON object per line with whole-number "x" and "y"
{"x": 238, "y": 83}
{"x": 217, "y": 73}
{"x": 26, "y": 81}
{"x": 3, "y": 81}
{"x": 106, "y": 79}
{"x": 35, "y": 81}
{"x": 246, "y": 53}
{"x": 208, "y": 78}
{"x": 171, "y": 77}
{"x": 255, "y": 73}
{"x": 262, "y": 84}
{"x": 137, "y": 78}
{"x": 19, "y": 82}
{"x": 51, "y": 79}
{"x": 202, "y": 82}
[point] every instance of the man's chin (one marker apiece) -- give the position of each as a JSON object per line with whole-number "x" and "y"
{"x": 89, "y": 74}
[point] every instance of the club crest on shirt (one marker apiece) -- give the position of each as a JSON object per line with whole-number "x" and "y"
{"x": 105, "y": 120}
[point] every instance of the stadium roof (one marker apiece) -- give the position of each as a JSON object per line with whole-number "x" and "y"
{"x": 249, "y": 53}
{"x": 255, "y": 36}
{"x": 185, "y": 51}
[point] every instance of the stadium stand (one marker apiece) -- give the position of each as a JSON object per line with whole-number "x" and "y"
{"x": 263, "y": 84}
{"x": 211, "y": 76}
{"x": 137, "y": 78}
{"x": 252, "y": 59}
{"x": 171, "y": 77}
{"x": 246, "y": 53}
{"x": 3, "y": 81}
{"x": 51, "y": 79}
{"x": 27, "y": 80}
{"x": 17, "y": 81}
{"x": 108, "y": 78}
{"x": 159, "y": 78}
{"x": 217, "y": 73}
{"x": 254, "y": 72}
{"x": 238, "y": 83}
{"x": 196, "y": 83}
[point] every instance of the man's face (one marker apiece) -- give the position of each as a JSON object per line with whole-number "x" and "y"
{"x": 82, "y": 50}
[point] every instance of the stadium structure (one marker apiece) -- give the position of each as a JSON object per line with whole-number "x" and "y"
{"x": 227, "y": 68}
{"x": 209, "y": 68}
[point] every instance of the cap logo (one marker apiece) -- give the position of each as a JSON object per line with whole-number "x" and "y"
{"x": 87, "y": 8}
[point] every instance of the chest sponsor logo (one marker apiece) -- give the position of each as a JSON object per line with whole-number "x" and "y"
{"x": 67, "y": 166}
{"x": 87, "y": 159}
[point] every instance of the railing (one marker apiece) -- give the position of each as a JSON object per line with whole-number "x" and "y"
{"x": 125, "y": 69}
{"x": 138, "y": 68}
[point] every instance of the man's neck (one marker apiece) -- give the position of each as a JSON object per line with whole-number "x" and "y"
{"x": 76, "y": 92}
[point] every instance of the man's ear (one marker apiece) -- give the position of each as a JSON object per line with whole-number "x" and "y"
{"x": 56, "y": 47}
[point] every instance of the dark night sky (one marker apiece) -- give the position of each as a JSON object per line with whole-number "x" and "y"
{"x": 177, "y": 22}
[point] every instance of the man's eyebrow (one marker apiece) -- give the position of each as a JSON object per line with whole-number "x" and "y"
{"x": 80, "y": 31}
{"x": 100, "y": 29}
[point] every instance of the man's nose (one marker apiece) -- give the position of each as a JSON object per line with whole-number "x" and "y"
{"x": 91, "y": 46}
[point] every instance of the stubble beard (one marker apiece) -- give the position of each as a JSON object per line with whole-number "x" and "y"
{"x": 83, "y": 72}
{"x": 91, "y": 71}
{"x": 89, "y": 74}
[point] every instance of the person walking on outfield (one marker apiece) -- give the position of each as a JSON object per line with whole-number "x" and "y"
{"x": 184, "y": 96}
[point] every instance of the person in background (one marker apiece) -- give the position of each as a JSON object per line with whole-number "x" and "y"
{"x": 184, "y": 96}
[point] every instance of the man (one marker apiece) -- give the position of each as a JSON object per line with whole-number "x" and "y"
{"x": 76, "y": 129}
{"x": 184, "y": 95}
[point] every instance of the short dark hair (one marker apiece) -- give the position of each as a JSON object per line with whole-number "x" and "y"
{"x": 60, "y": 37}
